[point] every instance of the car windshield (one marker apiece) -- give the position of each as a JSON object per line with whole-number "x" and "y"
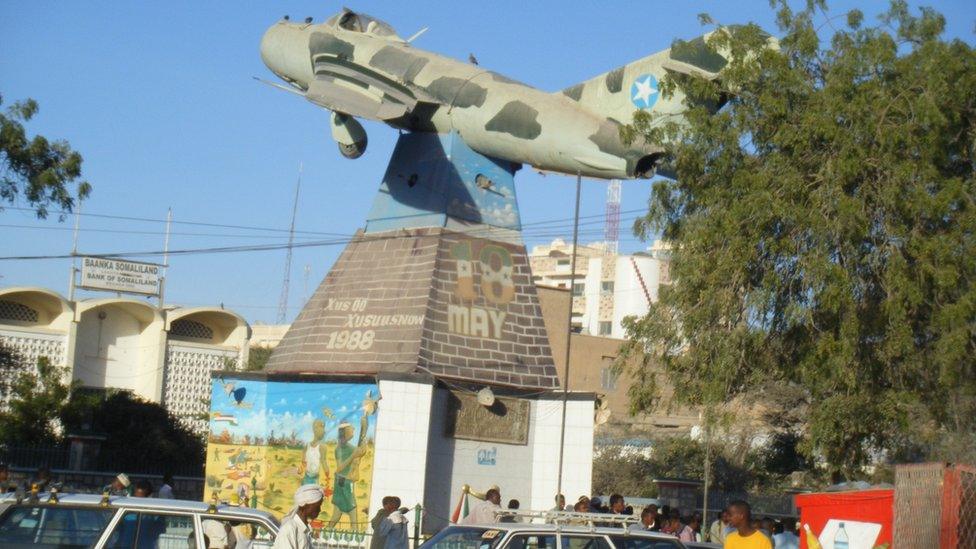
{"x": 49, "y": 526}
{"x": 463, "y": 537}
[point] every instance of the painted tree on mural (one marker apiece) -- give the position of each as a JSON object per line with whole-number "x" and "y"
{"x": 822, "y": 226}
{"x": 36, "y": 169}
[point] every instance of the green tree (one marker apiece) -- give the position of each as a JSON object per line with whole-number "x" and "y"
{"x": 823, "y": 229}
{"x": 257, "y": 358}
{"x": 630, "y": 472}
{"x": 139, "y": 435}
{"x": 36, "y": 399}
{"x": 39, "y": 170}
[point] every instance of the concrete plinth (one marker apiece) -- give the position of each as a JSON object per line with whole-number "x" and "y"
{"x": 430, "y": 304}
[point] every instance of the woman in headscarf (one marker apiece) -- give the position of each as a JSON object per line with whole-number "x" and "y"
{"x": 294, "y": 532}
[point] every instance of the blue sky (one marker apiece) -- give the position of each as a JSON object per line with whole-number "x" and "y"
{"x": 159, "y": 99}
{"x": 285, "y": 407}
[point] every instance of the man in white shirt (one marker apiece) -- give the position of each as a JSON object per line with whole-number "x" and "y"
{"x": 787, "y": 539}
{"x": 485, "y": 511}
{"x": 294, "y": 532}
{"x": 313, "y": 463}
{"x": 394, "y": 527}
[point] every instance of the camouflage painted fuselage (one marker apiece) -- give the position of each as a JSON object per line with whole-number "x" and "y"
{"x": 372, "y": 73}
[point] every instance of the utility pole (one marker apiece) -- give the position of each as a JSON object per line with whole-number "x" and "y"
{"x": 162, "y": 281}
{"x": 569, "y": 338}
{"x": 283, "y": 300}
{"x": 74, "y": 255}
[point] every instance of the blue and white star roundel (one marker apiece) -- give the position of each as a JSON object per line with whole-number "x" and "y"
{"x": 644, "y": 92}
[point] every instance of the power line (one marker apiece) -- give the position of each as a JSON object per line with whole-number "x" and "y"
{"x": 152, "y": 233}
{"x": 195, "y": 223}
{"x": 564, "y": 221}
{"x": 262, "y": 247}
{"x": 538, "y": 229}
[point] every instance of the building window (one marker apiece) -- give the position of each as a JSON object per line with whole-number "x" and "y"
{"x": 606, "y": 328}
{"x": 608, "y": 379}
{"x": 578, "y": 288}
{"x": 606, "y": 287}
{"x": 562, "y": 262}
{"x": 190, "y": 329}
{"x": 11, "y": 310}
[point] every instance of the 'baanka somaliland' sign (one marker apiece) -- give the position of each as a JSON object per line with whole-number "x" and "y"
{"x": 120, "y": 276}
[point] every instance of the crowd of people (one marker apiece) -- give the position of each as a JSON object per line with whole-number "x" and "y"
{"x": 121, "y": 485}
{"x": 735, "y": 528}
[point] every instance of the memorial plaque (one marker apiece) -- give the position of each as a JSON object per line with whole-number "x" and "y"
{"x": 505, "y": 421}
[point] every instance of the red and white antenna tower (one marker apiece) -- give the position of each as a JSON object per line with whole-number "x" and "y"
{"x": 611, "y": 229}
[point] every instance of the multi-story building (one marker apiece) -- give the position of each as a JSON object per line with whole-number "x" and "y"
{"x": 162, "y": 355}
{"x": 605, "y": 288}
{"x": 552, "y": 267}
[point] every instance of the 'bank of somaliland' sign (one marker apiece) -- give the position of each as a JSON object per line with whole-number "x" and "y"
{"x": 120, "y": 276}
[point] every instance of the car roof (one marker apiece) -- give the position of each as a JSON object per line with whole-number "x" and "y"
{"x": 566, "y": 529}
{"x": 157, "y": 504}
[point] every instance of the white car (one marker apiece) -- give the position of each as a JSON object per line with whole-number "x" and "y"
{"x": 84, "y": 520}
{"x": 515, "y": 535}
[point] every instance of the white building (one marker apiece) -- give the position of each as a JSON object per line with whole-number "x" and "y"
{"x": 552, "y": 267}
{"x": 606, "y": 288}
{"x": 161, "y": 355}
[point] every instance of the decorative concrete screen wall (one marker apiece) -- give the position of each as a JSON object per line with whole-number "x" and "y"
{"x": 269, "y": 437}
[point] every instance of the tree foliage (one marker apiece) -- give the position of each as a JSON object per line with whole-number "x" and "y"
{"x": 822, "y": 226}
{"x": 733, "y": 469}
{"x": 140, "y": 435}
{"x": 43, "y": 407}
{"x": 37, "y": 169}
{"x": 36, "y": 398}
{"x": 257, "y": 358}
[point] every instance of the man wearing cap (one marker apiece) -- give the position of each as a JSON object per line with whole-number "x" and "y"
{"x": 119, "y": 486}
{"x": 294, "y": 532}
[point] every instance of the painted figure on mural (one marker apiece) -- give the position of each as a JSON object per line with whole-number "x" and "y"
{"x": 314, "y": 462}
{"x": 347, "y": 471}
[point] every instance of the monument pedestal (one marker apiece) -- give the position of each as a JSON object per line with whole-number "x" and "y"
{"x": 432, "y": 302}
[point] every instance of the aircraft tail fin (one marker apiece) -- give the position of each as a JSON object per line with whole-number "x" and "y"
{"x": 619, "y": 93}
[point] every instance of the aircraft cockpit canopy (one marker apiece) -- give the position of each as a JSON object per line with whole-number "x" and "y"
{"x": 360, "y": 22}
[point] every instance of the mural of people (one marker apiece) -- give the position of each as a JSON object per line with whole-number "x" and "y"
{"x": 314, "y": 464}
{"x": 268, "y": 438}
{"x": 347, "y": 472}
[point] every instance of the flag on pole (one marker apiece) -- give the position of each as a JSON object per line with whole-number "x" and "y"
{"x": 461, "y": 510}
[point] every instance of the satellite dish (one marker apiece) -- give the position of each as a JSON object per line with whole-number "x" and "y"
{"x": 486, "y": 397}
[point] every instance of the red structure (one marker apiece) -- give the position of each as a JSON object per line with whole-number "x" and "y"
{"x": 861, "y": 506}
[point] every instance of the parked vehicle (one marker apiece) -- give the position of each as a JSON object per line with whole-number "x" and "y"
{"x": 563, "y": 531}
{"x": 83, "y": 521}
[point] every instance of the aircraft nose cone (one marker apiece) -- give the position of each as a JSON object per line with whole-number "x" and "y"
{"x": 270, "y": 46}
{"x": 284, "y": 50}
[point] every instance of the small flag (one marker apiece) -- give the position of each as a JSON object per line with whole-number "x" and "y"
{"x": 461, "y": 510}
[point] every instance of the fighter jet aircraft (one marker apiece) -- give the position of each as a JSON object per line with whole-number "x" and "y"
{"x": 356, "y": 66}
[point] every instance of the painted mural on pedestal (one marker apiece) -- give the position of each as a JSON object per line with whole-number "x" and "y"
{"x": 269, "y": 437}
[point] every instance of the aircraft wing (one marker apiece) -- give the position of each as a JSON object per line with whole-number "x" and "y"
{"x": 343, "y": 86}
